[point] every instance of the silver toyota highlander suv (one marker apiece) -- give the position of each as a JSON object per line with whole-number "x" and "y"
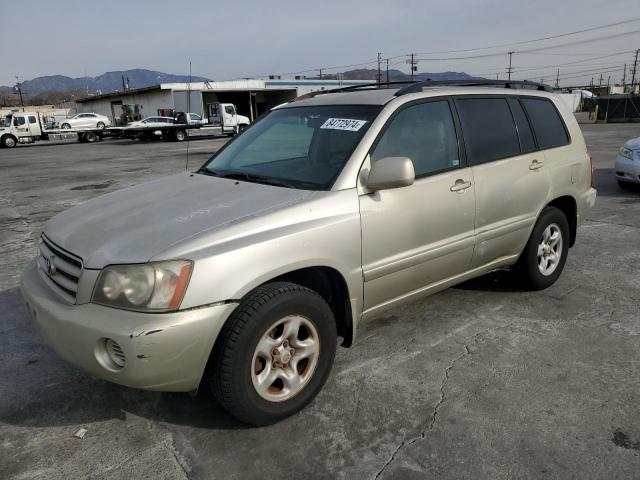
{"x": 242, "y": 276}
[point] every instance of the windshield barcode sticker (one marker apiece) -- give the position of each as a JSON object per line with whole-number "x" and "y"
{"x": 343, "y": 124}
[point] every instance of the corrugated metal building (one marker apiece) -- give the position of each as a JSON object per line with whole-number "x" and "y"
{"x": 251, "y": 97}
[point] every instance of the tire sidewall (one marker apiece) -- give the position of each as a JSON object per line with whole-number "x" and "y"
{"x": 302, "y": 303}
{"x": 9, "y": 142}
{"x": 530, "y": 257}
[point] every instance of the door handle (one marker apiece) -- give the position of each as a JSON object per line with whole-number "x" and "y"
{"x": 535, "y": 165}
{"x": 460, "y": 185}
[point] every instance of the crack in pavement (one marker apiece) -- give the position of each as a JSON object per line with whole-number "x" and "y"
{"x": 434, "y": 415}
{"x": 612, "y": 223}
{"x": 167, "y": 444}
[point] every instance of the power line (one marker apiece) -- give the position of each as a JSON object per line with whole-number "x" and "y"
{"x": 591, "y": 29}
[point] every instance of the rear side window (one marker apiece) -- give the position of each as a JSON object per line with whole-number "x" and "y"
{"x": 546, "y": 122}
{"x": 489, "y": 130}
{"x": 527, "y": 144}
{"x": 32, "y": 119}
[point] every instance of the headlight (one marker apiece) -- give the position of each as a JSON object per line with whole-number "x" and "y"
{"x": 156, "y": 286}
{"x": 625, "y": 152}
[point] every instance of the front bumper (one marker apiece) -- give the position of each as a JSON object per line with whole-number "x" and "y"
{"x": 627, "y": 170}
{"x": 163, "y": 351}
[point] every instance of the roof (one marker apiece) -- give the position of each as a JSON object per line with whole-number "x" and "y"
{"x": 131, "y": 91}
{"x": 382, "y": 96}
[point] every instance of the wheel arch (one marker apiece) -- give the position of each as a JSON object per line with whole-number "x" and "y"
{"x": 567, "y": 205}
{"x": 330, "y": 285}
{"x": 7, "y": 135}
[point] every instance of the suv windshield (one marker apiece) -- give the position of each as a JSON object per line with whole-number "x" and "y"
{"x": 299, "y": 147}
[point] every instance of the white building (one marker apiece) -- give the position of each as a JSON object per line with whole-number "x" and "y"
{"x": 251, "y": 97}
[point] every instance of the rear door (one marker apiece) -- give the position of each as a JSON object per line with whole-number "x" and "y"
{"x": 511, "y": 181}
{"x": 419, "y": 235}
{"x": 34, "y": 126}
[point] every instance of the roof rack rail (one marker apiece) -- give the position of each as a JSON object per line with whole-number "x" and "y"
{"x": 363, "y": 86}
{"x": 514, "y": 84}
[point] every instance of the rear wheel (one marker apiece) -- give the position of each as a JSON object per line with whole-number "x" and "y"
{"x": 91, "y": 137}
{"x": 545, "y": 254}
{"x": 274, "y": 353}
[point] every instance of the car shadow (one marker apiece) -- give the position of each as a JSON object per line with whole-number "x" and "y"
{"x": 40, "y": 389}
{"x": 498, "y": 281}
{"x": 607, "y": 186}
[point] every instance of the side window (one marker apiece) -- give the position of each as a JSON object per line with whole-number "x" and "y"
{"x": 17, "y": 121}
{"x": 546, "y": 122}
{"x": 196, "y": 117}
{"x": 229, "y": 109}
{"x": 32, "y": 119}
{"x": 489, "y": 130}
{"x": 426, "y": 134}
{"x": 527, "y": 144}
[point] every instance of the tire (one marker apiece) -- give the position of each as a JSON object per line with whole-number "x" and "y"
{"x": 9, "y": 141}
{"x": 100, "y": 125}
{"x": 626, "y": 185}
{"x": 537, "y": 268}
{"x": 242, "y": 127}
{"x": 65, "y": 126}
{"x": 180, "y": 135}
{"x": 237, "y": 362}
{"x": 91, "y": 137}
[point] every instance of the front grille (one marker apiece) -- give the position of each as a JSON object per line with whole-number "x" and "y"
{"x": 60, "y": 269}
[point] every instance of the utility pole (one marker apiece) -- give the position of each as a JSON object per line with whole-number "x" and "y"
{"x": 379, "y": 77}
{"x": 320, "y": 74}
{"x": 509, "y": 70}
{"x": 624, "y": 78}
{"x": 558, "y": 78}
{"x": 600, "y": 81}
{"x": 18, "y": 87}
{"x": 633, "y": 75}
{"x": 387, "y": 70}
{"x": 413, "y": 63}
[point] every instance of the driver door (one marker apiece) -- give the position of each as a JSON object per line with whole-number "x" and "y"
{"x": 418, "y": 236}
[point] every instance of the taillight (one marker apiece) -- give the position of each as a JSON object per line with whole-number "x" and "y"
{"x": 591, "y": 168}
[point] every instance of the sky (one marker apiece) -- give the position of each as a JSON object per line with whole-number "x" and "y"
{"x": 228, "y": 40}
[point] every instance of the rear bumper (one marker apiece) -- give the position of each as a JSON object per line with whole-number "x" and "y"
{"x": 585, "y": 202}
{"x": 627, "y": 170}
{"x": 163, "y": 351}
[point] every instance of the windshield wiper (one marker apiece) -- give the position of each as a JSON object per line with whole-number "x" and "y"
{"x": 248, "y": 177}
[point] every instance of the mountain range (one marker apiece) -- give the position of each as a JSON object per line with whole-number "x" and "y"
{"x": 138, "y": 78}
{"x": 105, "y": 83}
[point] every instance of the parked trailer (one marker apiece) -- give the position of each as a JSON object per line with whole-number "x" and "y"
{"x": 26, "y": 127}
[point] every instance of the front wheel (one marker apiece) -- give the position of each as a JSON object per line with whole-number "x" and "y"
{"x": 545, "y": 254}
{"x": 8, "y": 141}
{"x": 100, "y": 125}
{"x": 180, "y": 135}
{"x": 65, "y": 126}
{"x": 274, "y": 353}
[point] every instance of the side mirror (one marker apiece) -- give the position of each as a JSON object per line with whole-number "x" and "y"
{"x": 391, "y": 172}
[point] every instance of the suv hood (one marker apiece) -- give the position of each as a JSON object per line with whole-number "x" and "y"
{"x": 137, "y": 223}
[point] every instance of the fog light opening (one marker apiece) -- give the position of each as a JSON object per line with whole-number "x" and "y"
{"x": 110, "y": 354}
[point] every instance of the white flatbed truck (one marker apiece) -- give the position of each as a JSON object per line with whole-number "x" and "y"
{"x": 26, "y": 127}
